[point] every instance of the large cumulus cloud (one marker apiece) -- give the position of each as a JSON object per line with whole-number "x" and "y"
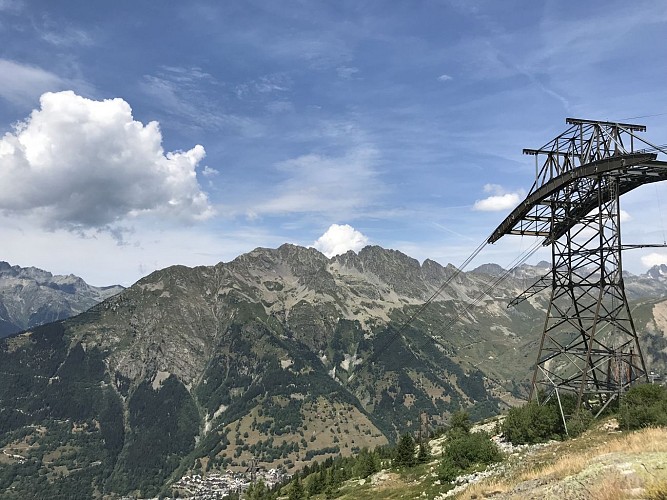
{"x": 79, "y": 163}
{"x": 338, "y": 239}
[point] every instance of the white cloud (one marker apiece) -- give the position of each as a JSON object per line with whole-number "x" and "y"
{"x": 67, "y": 37}
{"x": 78, "y": 163}
{"x": 444, "y": 78}
{"x": 209, "y": 172}
{"x": 625, "y": 216}
{"x": 339, "y": 239}
{"x": 497, "y": 203}
{"x": 499, "y": 200}
{"x": 21, "y": 84}
{"x": 315, "y": 183}
{"x": 654, "y": 259}
{"x": 98, "y": 259}
{"x": 347, "y": 72}
{"x": 496, "y": 189}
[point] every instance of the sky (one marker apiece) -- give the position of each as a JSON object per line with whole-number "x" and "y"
{"x": 140, "y": 134}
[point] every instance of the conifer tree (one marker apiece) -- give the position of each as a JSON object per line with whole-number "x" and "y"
{"x": 296, "y": 491}
{"x": 405, "y": 452}
{"x": 366, "y": 464}
{"x": 424, "y": 453}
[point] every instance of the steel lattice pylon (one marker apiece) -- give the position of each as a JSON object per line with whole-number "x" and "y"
{"x": 589, "y": 344}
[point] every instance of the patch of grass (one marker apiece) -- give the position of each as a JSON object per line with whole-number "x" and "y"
{"x": 656, "y": 491}
{"x": 613, "y": 487}
{"x": 486, "y": 489}
{"x": 572, "y": 457}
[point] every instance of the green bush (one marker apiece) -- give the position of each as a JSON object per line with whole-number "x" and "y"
{"x": 578, "y": 423}
{"x": 448, "y": 470}
{"x": 642, "y": 406}
{"x": 460, "y": 420}
{"x": 532, "y": 423}
{"x": 464, "y": 452}
{"x": 471, "y": 449}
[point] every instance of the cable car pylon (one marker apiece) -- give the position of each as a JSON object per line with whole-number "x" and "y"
{"x": 589, "y": 345}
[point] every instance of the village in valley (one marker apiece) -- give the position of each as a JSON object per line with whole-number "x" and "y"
{"x": 215, "y": 485}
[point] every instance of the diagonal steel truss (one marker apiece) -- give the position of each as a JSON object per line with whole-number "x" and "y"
{"x": 589, "y": 344}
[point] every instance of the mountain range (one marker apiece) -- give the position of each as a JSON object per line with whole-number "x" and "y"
{"x": 30, "y": 297}
{"x": 281, "y": 355}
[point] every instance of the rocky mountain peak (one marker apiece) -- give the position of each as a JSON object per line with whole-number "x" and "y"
{"x": 489, "y": 269}
{"x": 30, "y": 296}
{"x": 658, "y": 272}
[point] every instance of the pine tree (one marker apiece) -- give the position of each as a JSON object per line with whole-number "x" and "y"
{"x": 296, "y": 491}
{"x": 366, "y": 464}
{"x": 257, "y": 491}
{"x": 315, "y": 484}
{"x": 405, "y": 452}
{"x": 424, "y": 453}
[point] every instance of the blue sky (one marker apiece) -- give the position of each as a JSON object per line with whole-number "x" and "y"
{"x": 143, "y": 134}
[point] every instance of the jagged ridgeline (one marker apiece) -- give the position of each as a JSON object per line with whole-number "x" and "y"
{"x": 282, "y": 355}
{"x": 31, "y": 297}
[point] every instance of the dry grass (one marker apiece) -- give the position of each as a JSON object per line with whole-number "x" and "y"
{"x": 485, "y": 489}
{"x": 577, "y": 455}
{"x": 614, "y": 487}
{"x": 656, "y": 491}
{"x": 644, "y": 441}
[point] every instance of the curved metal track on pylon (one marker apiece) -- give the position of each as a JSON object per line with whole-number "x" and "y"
{"x": 632, "y": 170}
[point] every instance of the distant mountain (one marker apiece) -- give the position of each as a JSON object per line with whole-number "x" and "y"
{"x": 658, "y": 272}
{"x": 30, "y": 297}
{"x": 282, "y": 355}
{"x": 490, "y": 269}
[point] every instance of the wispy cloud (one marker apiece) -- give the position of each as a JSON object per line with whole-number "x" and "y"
{"x": 182, "y": 92}
{"x": 22, "y": 84}
{"x": 68, "y": 37}
{"x": 347, "y": 72}
{"x": 266, "y": 84}
{"x": 315, "y": 183}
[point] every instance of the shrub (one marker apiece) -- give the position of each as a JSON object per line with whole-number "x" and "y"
{"x": 475, "y": 448}
{"x": 460, "y": 420}
{"x": 642, "y": 406}
{"x": 532, "y": 423}
{"x": 447, "y": 470}
{"x": 465, "y": 451}
{"x": 578, "y": 423}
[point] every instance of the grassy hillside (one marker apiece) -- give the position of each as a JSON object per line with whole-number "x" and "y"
{"x": 602, "y": 464}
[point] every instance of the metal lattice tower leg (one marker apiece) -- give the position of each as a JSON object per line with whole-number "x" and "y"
{"x": 589, "y": 345}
